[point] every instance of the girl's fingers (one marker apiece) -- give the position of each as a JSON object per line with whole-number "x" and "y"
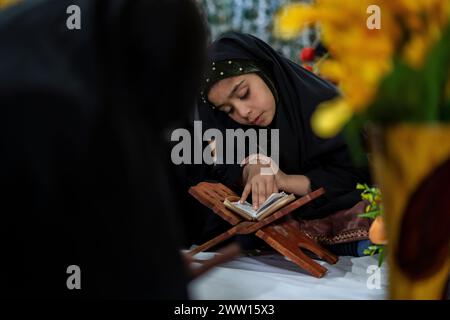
{"x": 255, "y": 195}
{"x": 244, "y": 162}
{"x": 261, "y": 193}
{"x": 275, "y": 188}
{"x": 260, "y": 189}
{"x": 246, "y": 192}
{"x": 269, "y": 188}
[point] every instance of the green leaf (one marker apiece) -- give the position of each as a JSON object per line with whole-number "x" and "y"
{"x": 401, "y": 96}
{"x": 381, "y": 256}
{"x": 436, "y": 72}
{"x": 355, "y": 135}
{"x": 411, "y": 95}
{"x": 371, "y": 214}
{"x": 446, "y": 109}
{"x": 367, "y": 196}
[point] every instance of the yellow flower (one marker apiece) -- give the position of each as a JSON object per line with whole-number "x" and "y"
{"x": 291, "y": 19}
{"x": 332, "y": 70}
{"x": 415, "y": 51}
{"x": 361, "y": 57}
{"x": 7, "y": 3}
{"x": 357, "y": 96}
{"x": 330, "y": 117}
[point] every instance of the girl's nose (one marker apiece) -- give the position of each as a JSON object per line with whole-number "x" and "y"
{"x": 244, "y": 111}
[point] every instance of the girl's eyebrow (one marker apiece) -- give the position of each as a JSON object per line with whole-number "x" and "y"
{"x": 233, "y": 91}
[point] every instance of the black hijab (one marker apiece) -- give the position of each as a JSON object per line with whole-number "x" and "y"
{"x": 326, "y": 162}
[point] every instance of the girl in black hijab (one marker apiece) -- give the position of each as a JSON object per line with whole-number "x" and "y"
{"x": 248, "y": 84}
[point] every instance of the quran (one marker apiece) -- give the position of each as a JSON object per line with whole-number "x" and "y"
{"x": 272, "y": 204}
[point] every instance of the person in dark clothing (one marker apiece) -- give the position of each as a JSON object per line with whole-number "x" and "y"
{"x": 84, "y": 159}
{"x": 249, "y": 85}
{"x": 273, "y": 92}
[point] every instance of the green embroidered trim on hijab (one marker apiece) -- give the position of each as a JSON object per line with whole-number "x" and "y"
{"x": 219, "y": 70}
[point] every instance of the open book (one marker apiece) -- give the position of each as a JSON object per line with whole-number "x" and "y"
{"x": 273, "y": 203}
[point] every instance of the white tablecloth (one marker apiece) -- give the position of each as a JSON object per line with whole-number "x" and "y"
{"x": 274, "y": 277}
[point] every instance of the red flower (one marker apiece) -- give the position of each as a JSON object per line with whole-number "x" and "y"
{"x": 307, "y": 54}
{"x": 308, "y": 67}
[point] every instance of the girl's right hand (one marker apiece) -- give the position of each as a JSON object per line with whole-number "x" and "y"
{"x": 261, "y": 178}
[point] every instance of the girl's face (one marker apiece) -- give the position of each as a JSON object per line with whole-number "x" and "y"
{"x": 245, "y": 98}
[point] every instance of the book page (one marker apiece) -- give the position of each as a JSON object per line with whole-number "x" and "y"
{"x": 247, "y": 207}
{"x": 270, "y": 200}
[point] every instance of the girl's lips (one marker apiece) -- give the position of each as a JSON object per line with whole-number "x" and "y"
{"x": 257, "y": 120}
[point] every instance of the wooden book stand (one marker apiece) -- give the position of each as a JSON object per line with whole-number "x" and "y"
{"x": 280, "y": 235}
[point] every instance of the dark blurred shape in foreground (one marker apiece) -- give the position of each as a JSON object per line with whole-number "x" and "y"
{"x": 83, "y": 162}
